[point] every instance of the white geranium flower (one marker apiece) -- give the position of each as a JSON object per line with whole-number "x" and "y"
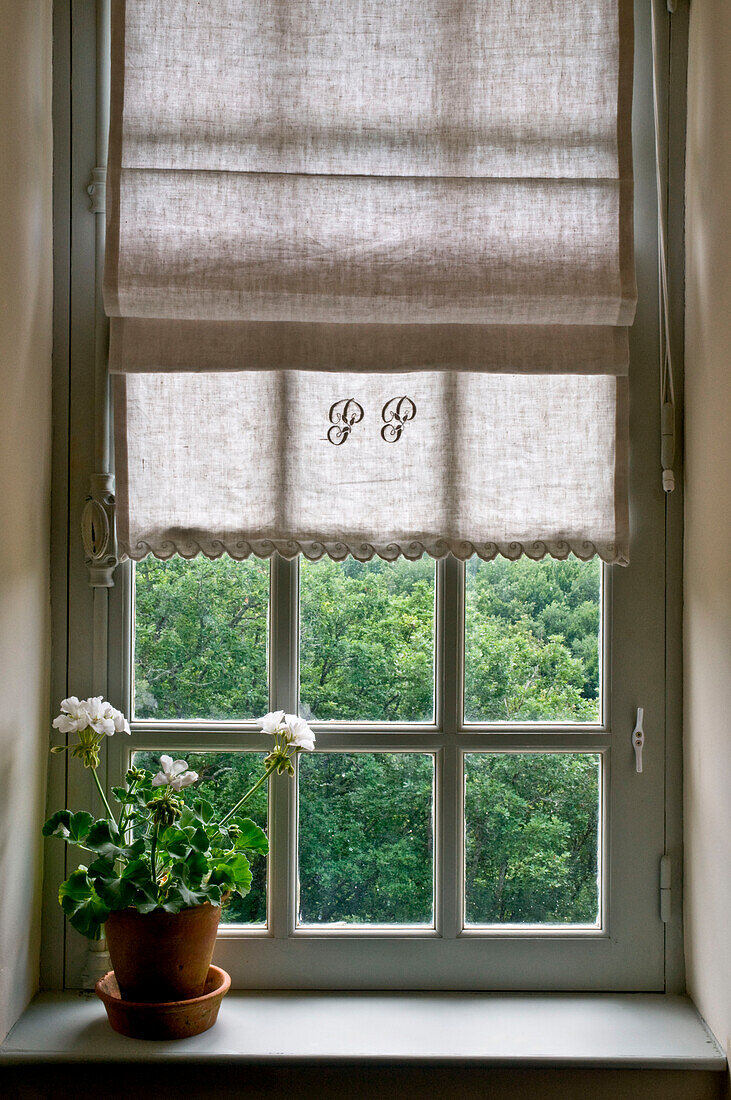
{"x": 174, "y": 773}
{"x": 73, "y": 717}
{"x": 272, "y": 722}
{"x": 121, "y": 725}
{"x": 97, "y": 714}
{"x": 299, "y": 733}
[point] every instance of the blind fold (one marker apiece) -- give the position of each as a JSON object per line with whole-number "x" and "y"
{"x": 327, "y": 207}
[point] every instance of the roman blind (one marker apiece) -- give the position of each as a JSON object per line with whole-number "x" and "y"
{"x": 370, "y": 275}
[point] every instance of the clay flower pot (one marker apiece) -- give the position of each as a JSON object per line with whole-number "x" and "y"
{"x": 162, "y": 956}
{"x": 164, "y": 1020}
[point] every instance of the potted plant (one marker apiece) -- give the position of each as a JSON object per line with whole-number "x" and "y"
{"x": 159, "y": 869}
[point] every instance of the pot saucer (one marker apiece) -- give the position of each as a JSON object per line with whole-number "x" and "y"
{"x": 164, "y": 1019}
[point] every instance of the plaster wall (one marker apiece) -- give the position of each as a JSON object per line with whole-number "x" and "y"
{"x": 25, "y": 461}
{"x": 707, "y": 610}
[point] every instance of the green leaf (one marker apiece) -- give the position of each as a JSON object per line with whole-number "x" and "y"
{"x": 181, "y": 896}
{"x": 204, "y": 810}
{"x": 134, "y": 886}
{"x": 174, "y": 841}
{"x": 82, "y": 905}
{"x": 120, "y": 793}
{"x": 190, "y": 819}
{"x": 251, "y": 838}
{"x": 113, "y": 890}
{"x": 233, "y": 873}
{"x": 138, "y": 874}
{"x": 103, "y": 837}
{"x": 198, "y": 839}
{"x": 73, "y": 828}
{"x": 192, "y": 869}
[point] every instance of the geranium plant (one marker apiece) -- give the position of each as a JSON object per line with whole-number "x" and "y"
{"x": 156, "y": 851}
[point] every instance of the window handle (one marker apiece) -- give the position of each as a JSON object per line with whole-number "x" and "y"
{"x": 638, "y": 739}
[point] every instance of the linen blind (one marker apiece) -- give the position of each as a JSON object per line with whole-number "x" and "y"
{"x": 369, "y": 271}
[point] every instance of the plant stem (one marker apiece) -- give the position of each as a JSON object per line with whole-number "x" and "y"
{"x": 153, "y": 854}
{"x": 248, "y": 794}
{"x": 103, "y": 796}
{"x": 124, "y": 815}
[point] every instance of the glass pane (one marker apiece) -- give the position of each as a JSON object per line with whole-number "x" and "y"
{"x": 366, "y": 838}
{"x": 201, "y": 638}
{"x": 367, "y": 640}
{"x": 532, "y": 838}
{"x": 223, "y": 778}
{"x": 532, "y": 649}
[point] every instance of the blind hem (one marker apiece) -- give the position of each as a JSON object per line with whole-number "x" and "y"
{"x": 615, "y": 553}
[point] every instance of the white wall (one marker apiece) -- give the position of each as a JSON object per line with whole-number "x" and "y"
{"x": 707, "y": 614}
{"x": 25, "y": 452}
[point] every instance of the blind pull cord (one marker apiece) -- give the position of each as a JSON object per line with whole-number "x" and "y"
{"x": 667, "y": 382}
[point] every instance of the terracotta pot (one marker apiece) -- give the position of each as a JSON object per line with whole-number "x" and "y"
{"x": 162, "y": 956}
{"x": 164, "y": 1020}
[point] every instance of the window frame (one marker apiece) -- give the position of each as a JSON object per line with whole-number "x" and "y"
{"x": 89, "y": 655}
{"x": 324, "y": 957}
{"x": 448, "y": 737}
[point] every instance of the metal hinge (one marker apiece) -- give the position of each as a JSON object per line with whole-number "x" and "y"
{"x": 665, "y": 888}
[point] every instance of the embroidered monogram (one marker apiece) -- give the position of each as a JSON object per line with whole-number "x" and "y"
{"x": 395, "y": 414}
{"x": 343, "y": 415}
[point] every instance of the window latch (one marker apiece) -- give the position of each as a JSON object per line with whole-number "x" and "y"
{"x": 638, "y": 739}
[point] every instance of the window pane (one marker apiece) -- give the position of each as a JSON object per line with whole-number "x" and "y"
{"x": 367, "y": 640}
{"x": 201, "y": 638}
{"x": 532, "y": 647}
{"x": 223, "y": 778}
{"x": 366, "y": 838}
{"x": 531, "y": 838}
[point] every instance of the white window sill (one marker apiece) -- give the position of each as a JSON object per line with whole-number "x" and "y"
{"x": 620, "y": 1031}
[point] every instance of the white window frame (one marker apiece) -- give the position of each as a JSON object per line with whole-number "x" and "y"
{"x": 632, "y": 950}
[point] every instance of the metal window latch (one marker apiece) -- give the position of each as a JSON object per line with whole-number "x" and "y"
{"x": 638, "y": 739}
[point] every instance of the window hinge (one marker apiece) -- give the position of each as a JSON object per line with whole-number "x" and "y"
{"x": 97, "y": 191}
{"x": 665, "y": 888}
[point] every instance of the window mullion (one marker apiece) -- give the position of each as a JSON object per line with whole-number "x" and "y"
{"x": 450, "y": 598}
{"x": 450, "y": 643}
{"x": 283, "y": 695}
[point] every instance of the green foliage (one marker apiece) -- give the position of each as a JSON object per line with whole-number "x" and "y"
{"x": 367, "y": 653}
{"x": 367, "y": 640}
{"x": 223, "y": 778}
{"x": 531, "y": 641}
{"x": 366, "y": 838}
{"x": 161, "y": 853}
{"x": 531, "y": 837}
{"x": 82, "y": 905}
{"x": 201, "y": 638}
{"x": 68, "y": 826}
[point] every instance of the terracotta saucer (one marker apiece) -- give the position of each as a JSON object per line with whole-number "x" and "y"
{"x": 164, "y": 1019}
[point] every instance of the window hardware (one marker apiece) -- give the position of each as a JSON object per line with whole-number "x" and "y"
{"x": 638, "y": 739}
{"x": 97, "y": 191}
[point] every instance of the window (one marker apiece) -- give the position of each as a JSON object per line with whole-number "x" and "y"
{"x": 458, "y": 813}
{"x": 478, "y": 716}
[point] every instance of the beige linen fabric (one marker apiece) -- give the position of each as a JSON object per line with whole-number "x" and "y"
{"x": 323, "y": 201}
{"x": 241, "y": 463}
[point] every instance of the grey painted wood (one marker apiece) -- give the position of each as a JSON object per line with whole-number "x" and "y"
{"x": 677, "y": 113}
{"x": 628, "y": 1031}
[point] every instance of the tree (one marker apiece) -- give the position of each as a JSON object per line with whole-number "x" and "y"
{"x": 367, "y": 653}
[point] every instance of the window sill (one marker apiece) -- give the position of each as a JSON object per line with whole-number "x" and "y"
{"x": 619, "y": 1031}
